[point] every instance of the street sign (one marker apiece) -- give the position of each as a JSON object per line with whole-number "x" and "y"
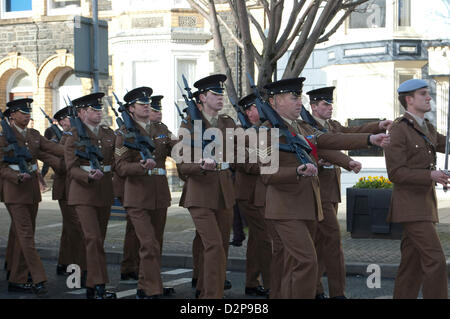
{"x": 84, "y": 47}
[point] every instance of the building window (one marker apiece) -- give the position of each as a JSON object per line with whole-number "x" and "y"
{"x": 65, "y": 84}
{"x": 186, "y": 67}
{"x": 404, "y": 13}
{"x": 15, "y": 8}
{"x": 71, "y": 7}
{"x": 371, "y": 14}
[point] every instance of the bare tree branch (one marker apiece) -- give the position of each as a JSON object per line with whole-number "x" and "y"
{"x": 220, "y": 50}
{"x": 199, "y": 9}
{"x": 258, "y": 27}
{"x": 284, "y": 46}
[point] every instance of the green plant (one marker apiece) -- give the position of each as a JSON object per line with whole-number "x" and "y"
{"x": 373, "y": 182}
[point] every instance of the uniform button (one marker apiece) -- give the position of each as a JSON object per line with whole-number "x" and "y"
{"x": 417, "y": 146}
{"x": 429, "y": 152}
{"x": 100, "y": 146}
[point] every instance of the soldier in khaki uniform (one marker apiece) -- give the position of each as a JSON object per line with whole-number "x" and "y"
{"x": 146, "y": 189}
{"x": 209, "y": 192}
{"x": 293, "y": 204}
{"x": 91, "y": 191}
{"x": 21, "y": 194}
{"x": 259, "y": 246}
{"x": 129, "y": 266}
{"x": 411, "y": 166}
{"x": 330, "y": 254}
{"x": 71, "y": 247}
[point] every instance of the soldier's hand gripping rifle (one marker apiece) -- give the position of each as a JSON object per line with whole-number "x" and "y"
{"x": 141, "y": 143}
{"x": 294, "y": 144}
{"x": 55, "y": 128}
{"x": 91, "y": 152}
{"x": 21, "y": 156}
{"x": 193, "y": 112}
{"x": 243, "y": 119}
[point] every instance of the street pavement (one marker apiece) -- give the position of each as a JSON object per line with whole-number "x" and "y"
{"x": 180, "y": 231}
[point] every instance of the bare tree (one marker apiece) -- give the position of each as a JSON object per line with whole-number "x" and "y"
{"x": 309, "y": 22}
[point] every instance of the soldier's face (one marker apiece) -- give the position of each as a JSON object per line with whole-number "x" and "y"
{"x": 322, "y": 110}
{"x": 420, "y": 101}
{"x": 287, "y": 105}
{"x": 65, "y": 124}
{"x": 212, "y": 101}
{"x": 155, "y": 116}
{"x": 140, "y": 111}
{"x": 21, "y": 119}
{"x": 93, "y": 117}
{"x": 252, "y": 114}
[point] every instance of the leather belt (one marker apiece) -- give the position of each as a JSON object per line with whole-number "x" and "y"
{"x": 31, "y": 168}
{"x": 157, "y": 171}
{"x": 222, "y": 166}
{"x": 104, "y": 169}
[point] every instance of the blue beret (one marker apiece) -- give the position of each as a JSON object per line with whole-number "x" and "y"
{"x": 411, "y": 85}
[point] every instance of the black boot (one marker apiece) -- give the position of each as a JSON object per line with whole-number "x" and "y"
{"x": 61, "y": 270}
{"x": 140, "y": 294}
{"x": 99, "y": 292}
{"x": 40, "y": 290}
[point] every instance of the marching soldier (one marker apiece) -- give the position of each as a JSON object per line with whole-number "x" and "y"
{"x": 21, "y": 195}
{"x": 259, "y": 246}
{"x": 209, "y": 194}
{"x": 146, "y": 189}
{"x": 293, "y": 200}
{"x": 411, "y": 166}
{"x": 71, "y": 248}
{"x": 329, "y": 251}
{"x": 91, "y": 191}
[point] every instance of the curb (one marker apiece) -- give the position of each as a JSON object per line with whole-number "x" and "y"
{"x": 388, "y": 271}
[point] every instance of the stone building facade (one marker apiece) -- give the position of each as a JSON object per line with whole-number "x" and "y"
{"x": 36, "y": 54}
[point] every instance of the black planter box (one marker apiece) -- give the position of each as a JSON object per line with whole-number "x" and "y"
{"x": 367, "y": 210}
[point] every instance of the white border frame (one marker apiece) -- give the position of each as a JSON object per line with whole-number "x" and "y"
{"x": 14, "y": 14}
{"x": 63, "y": 11}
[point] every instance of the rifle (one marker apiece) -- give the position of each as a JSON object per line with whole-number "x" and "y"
{"x": 91, "y": 152}
{"x": 192, "y": 110}
{"x": 294, "y": 143}
{"x": 21, "y": 155}
{"x": 243, "y": 119}
{"x": 447, "y": 146}
{"x": 143, "y": 144}
{"x": 308, "y": 118}
{"x": 55, "y": 129}
{"x": 180, "y": 114}
{"x": 119, "y": 120}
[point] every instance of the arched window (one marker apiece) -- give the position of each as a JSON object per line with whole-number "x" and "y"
{"x": 66, "y": 84}
{"x": 20, "y": 86}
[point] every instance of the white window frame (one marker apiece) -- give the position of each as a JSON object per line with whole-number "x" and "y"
{"x": 414, "y": 73}
{"x": 14, "y": 14}
{"x": 62, "y": 11}
{"x": 397, "y": 27}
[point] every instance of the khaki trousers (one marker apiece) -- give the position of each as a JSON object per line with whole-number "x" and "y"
{"x": 149, "y": 226}
{"x": 196, "y": 248}
{"x": 299, "y": 275}
{"x": 71, "y": 247}
{"x": 94, "y": 223}
{"x": 330, "y": 255}
{"x": 259, "y": 246}
{"x": 25, "y": 257}
{"x": 422, "y": 263}
{"x": 214, "y": 228}
{"x": 130, "y": 261}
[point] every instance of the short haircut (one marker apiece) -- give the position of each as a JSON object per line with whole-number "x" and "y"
{"x": 402, "y": 98}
